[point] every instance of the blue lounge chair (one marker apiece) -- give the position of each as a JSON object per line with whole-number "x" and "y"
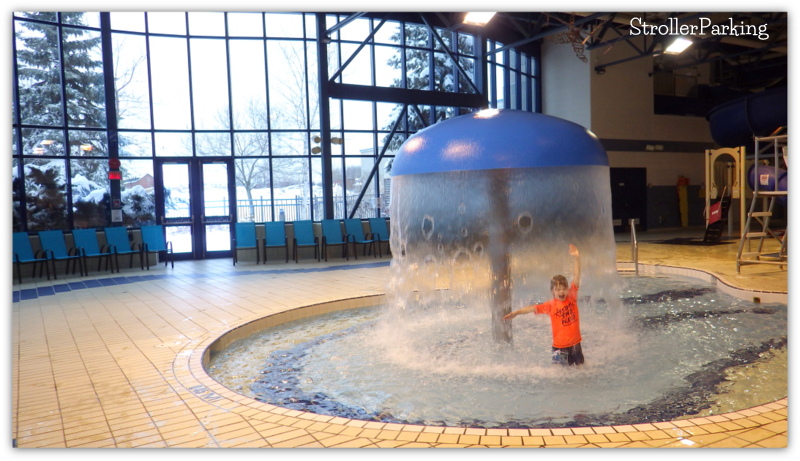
{"x": 304, "y": 237}
{"x": 154, "y": 241}
{"x": 89, "y": 247}
{"x": 275, "y": 236}
{"x": 355, "y": 235}
{"x": 24, "y": 254}
{"x": 379, "y": 232}
{"x": 54, "y": 245}
{"x": 332, "y": 235}
{"x": 119, "y": 243}
{"x": 245, "y": 239}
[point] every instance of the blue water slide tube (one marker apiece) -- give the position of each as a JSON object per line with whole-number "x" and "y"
{"x": 736, "y": 122}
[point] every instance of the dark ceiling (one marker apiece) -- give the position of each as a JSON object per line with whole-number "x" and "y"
{"x": 741, "y": 63}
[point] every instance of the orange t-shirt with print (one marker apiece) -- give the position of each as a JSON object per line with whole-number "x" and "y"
{"x": 564, "y": 318}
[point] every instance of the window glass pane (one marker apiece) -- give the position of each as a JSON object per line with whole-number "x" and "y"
{"x": 166, "y": 22}
{"x": 290, "y": 144}
{"x": 417, "y": 69}
{"x": 170, "y": 72}
{"x": 292, "y": 192}
{"x": 338, "y": 188}
{"x": 359, "y": 70}
{"x": 501, "y": 88}
{"x": 329, "y": 21}
{"x": 524, "y": 95}
{"x": 213, "y": 144}
{"x": 18, "y": 188}
{"x": 181, "y": 238}
{"x": 138, "y": 196}
{"x": 135, "y": 145}
{"x": 173, "y": 144}
{"x": 250, "y": 144}
{"x": 384, "y": 178}
{"x": 91, "y": 19}
{"x": 216, "y": 199}
{"x": 336, "y": 114}
{"x": 210, "y": 84}
{"x": 311, "y": 25}
{"x": 84, "y": 88}
{"x": 337, "y": 143}
{"x": 253, "y": 196}
{"x": 359, "y": 144}
{"x": 130, "y": 80}
{"x": 416, "y": 35}
{"x": 356, "y": 176}
{"x": 287, "y": 85}
{"x": 245, "y": 25}
{"x": 357, "y": 115}
{"x": 387, "y": 66}
{"x": 39, "y": 74}
{"x": 387, "y": 115}
{"x": 88, "y": 143}
{"x": 356, "y": 31}
{"x": 444, "y": 77}
{"x": 42, "y": 142}
{"x": 446, "y": 38}
{"x": 218, "y": 237}
{"x": 284, "y": 25}
{"x": 313, "y": 86}
{"x": 46, "y": 194}
{"x": 248, "y": 85}
{"x": 206, "y": 23}
{"x": 131, "y": 21}
{"x": 464, "y": 85}
{"x": 177, "y": 197}
{"x": 316, "y": 188}
{"x": 41, "y": 16}
{"x": 388, "y": 33}
{"x": 513, "y": 86}
{"x": 334, "y": 60}
{"x": 466, "y": 44}
{"x": 90, "y": 194}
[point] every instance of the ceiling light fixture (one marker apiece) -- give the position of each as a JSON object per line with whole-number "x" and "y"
{"x": 480, "y": 18}
{"x": 678, "y": 46}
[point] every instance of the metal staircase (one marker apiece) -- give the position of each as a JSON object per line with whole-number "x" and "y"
{"x": 757, "y": 227}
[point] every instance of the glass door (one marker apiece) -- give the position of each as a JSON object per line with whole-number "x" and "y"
{"x": 216, "y": 207}
{"x": 194, "y": 203}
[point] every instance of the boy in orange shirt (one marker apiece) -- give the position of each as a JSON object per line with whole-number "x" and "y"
{"x": 564, "y": 316}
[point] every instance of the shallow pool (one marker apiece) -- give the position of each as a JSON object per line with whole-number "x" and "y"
{"x": 670, "y": 347}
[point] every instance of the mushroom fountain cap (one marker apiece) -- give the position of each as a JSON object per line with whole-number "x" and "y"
{"x": 495, "y": 139}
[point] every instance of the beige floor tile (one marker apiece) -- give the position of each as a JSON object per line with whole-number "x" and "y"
{"x": 106, "y": 367}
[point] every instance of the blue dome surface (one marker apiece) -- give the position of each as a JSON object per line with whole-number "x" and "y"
{"x": 498, "y": 138}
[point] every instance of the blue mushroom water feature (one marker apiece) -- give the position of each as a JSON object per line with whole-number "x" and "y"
{"x": 484, "y": 207}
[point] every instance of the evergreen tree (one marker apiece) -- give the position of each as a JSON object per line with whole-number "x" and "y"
{"x": 39, "y": 63}
{"x": 42, "y": 51}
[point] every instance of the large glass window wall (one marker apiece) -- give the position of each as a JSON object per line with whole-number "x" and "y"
{"x": 157, "y": 87}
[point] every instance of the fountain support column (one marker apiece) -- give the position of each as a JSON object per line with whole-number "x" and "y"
{"x": 500, "y": 255}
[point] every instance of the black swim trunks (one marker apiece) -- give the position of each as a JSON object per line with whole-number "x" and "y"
{"x": 572, "y": 355}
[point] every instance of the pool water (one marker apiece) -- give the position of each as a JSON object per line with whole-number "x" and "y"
{"x": 670, "y": 347}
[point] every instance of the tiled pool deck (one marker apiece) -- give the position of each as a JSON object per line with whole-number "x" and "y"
{"x": 116, "y": 361}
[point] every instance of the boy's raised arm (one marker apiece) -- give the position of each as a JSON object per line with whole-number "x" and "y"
{"x": 576, "y": 276}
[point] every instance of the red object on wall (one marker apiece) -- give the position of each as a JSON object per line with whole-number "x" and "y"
{"x": 715, "y": 213}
